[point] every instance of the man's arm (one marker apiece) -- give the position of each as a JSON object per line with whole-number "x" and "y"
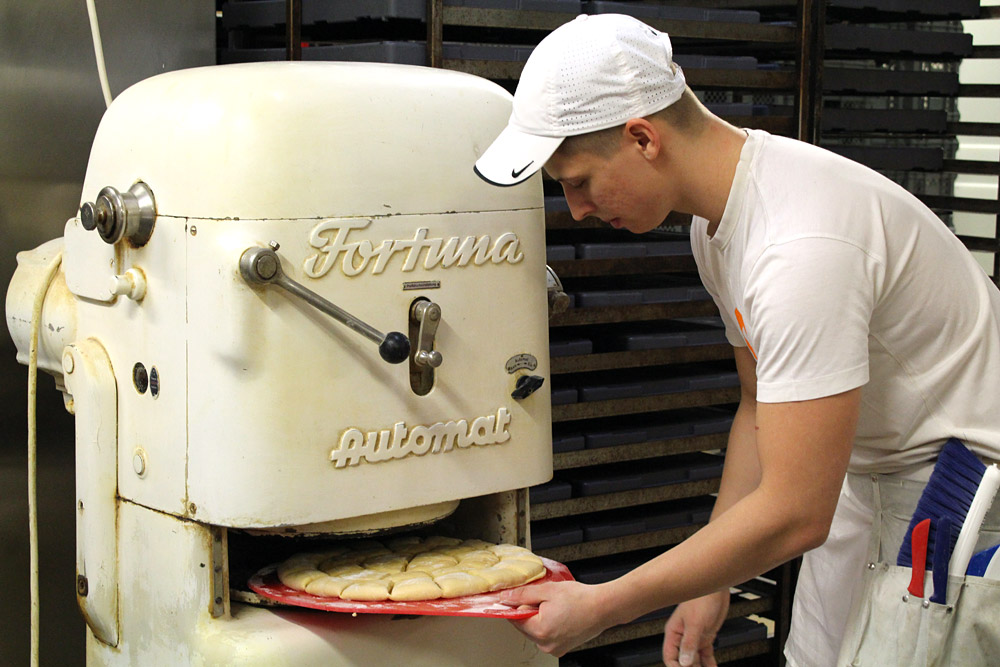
{"x": 803, "y": 449}
{"x": 741, "y": 473}
{"x": 689, "y": 633}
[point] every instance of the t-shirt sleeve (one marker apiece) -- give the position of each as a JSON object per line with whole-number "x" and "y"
{"x": 809, "y": 307}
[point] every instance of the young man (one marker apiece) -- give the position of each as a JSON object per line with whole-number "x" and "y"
{"x": 864, "y": 334}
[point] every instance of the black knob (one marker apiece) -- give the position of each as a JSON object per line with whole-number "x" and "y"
{"x": 526, "y": 386}
{"x": 395, "y": 348}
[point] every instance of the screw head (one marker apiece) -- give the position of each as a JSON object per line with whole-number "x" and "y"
{"x": 266, "y": 266}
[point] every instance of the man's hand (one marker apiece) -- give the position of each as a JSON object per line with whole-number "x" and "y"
{"x": 691, "y": 629}
{"x": 569, "y": 613}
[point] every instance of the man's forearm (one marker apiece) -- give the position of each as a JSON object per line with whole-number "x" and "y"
{"x": 803, "y": 449}
{"x": 741, "y": 473}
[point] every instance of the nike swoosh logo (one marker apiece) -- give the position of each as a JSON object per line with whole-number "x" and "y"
{"x": 514, "y": 173}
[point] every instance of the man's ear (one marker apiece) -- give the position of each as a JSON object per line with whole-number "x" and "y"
{"x": 644, "y": 136}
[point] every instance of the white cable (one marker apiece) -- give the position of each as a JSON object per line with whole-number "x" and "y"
{"x": 95, "y": 31}
{"x": 36, "y": 316}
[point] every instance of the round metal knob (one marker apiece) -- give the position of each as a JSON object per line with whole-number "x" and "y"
{"x": 116, "y": 215}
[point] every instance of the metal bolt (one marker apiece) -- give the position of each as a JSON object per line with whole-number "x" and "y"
{"x": 266, "y": 266}
{"x": 194, "y": 231}
{"x": 273, "y": 245}
{"x": 871, "y": 566}
{"x": 68, "y": 363}
{"x": 926, "y": 604}
{"x": 906, "y": 598}
{"x": 81, "y": 585}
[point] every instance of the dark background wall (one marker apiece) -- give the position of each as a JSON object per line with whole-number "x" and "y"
{"x": 50, "y": 107}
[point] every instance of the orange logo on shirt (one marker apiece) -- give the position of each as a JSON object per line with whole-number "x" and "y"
{"x": 743, "y": 330}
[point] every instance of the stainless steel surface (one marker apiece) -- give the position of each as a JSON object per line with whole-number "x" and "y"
{"x": 261, "y": 266}
{"x": 52, "y": 104}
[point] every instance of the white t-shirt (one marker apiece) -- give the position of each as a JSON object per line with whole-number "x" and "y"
{"x": 835, "y": 278}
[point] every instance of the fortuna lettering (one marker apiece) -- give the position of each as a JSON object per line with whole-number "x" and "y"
{"x": 400, "y": 441}
{"x": 330, "y": 239}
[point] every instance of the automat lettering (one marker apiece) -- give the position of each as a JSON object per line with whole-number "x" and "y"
{"x": 399, "y": 441}
{"x": 331, "y": 238}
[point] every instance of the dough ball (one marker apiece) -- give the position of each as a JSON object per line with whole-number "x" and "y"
{"x": 430, "y": 561}
{"x": 459, "y": 584}
{"x": 511, "y": 551}
{"x": 500, "y": 577}
{"x": 390, "y": 563}
{"x": 421, "y": 588}
{"x": 479, "y": 559}
{"x": 299, "y": 579}
{"x": 349, "y": 558}
{"x": 529, "y": 569}
{"x": 415, "y": 575}
{"x": 407, "y": 546}
{"x": 368, "y": 590}
{"x": 327, "y": 586}
{"x": 344, "y": 570}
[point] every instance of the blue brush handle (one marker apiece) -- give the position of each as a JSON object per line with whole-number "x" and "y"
{"x": 979, "y": 562}
{"x": 942, "y": 554}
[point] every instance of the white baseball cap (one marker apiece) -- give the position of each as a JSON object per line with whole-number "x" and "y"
{"x": 590, "y": 74}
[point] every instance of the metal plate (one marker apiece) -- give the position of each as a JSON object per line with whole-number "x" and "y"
{"x": 487, "y": 605}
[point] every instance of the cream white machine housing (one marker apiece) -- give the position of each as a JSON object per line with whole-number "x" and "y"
{"x": 247, "y": 234}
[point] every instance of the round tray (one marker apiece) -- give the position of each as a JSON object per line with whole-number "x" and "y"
{"x": 266, "y": 583}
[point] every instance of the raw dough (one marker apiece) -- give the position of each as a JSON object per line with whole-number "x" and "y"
{"x": 459, "y": 584}
{"x": 410, "y": 569}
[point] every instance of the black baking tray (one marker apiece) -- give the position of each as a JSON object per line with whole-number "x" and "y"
{"x": 889, "y": 82}
{"x": 863, "y": 39}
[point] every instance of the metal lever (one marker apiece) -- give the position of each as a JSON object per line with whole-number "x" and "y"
{"x": 261, "y": 266}
{"x": 428, "y": 314}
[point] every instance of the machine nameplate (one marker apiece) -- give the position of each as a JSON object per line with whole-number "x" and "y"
{"x": 521, "y": 361}
{"x": 437, "y": 438}
{"x": 330, "y": 239}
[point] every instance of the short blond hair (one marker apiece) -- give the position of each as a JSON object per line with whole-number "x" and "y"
{"x": 686, "y": 114}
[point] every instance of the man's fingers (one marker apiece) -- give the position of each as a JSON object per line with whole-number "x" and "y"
{"x": 530, "y": 596}
{"x": 690, "y": 643}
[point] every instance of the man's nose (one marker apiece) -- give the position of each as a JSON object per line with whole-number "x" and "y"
{"x": 579, "y": 207}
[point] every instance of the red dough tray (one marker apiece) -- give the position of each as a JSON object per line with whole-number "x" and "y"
{"x": 265, "y": 583}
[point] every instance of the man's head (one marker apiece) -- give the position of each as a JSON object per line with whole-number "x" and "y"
{"x": 633, "y": 175}
{"x": 591, "y": 74}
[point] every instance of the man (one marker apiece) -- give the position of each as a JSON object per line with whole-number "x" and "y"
{"x": 864, "y": 335}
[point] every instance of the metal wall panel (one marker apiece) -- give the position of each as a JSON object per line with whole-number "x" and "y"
{"x": 50, "y": 106}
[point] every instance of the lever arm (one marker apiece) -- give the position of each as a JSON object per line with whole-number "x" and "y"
{"x": 261, "y": 266}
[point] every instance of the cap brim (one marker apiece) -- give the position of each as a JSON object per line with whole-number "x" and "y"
{"x": 515, "y": 156}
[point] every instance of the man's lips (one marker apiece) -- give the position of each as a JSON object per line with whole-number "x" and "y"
{"x": 615, "y": 222}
